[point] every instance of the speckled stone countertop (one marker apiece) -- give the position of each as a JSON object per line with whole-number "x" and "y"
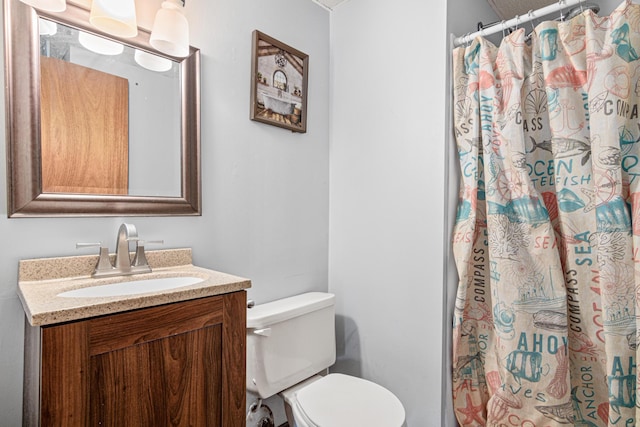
{"x": 41, "y": 280}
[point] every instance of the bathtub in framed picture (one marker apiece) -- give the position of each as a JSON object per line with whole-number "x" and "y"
{"x": 278, "y": 84}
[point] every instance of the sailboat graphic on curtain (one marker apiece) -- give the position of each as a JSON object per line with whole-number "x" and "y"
{"x": 548, "y": 225}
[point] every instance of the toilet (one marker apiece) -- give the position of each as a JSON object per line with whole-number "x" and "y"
{"x": 290, "y": 345}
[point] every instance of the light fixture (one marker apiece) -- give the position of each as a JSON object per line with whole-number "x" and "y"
{"x": 47, "y": 28}
{"x": 99, "y": 45}
{"x": 115, "y": 17}
{"x": 48, "y": 5}
{"x": 152, "y": 62}
{"x": 170, "y": 32}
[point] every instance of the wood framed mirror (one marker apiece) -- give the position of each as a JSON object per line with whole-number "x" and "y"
{"x": 30, "y": 192}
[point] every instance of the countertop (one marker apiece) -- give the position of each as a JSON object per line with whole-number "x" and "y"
{"x": 41, "y": 280}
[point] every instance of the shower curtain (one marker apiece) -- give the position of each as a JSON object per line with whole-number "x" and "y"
{"x": 547, "y": 228}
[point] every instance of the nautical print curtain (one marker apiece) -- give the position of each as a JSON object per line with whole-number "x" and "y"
{"x": 547, "y": 231}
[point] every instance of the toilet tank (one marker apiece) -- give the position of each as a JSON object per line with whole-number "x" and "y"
{"x": 289, "y": 340}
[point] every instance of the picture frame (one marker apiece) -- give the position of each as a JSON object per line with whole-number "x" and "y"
{"x": 279, "y": 79}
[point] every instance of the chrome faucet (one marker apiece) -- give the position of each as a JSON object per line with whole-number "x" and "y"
{"x": 123, "y": 265}
{"x": 127, "y": 233}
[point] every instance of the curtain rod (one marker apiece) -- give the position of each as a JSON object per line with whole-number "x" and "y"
{"x": 518, "y": 20}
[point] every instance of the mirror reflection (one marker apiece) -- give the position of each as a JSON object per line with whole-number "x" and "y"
{"x": 110, "y": 116}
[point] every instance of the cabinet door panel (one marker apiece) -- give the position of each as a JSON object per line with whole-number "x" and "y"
{"x": 165, "y": 382}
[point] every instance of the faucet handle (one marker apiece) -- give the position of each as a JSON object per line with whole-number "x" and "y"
{"x": 104, "y": 261}
{"x": 150, "y": 242}
{"x": 140, "y": 259}
{"x": 88, "y": 245}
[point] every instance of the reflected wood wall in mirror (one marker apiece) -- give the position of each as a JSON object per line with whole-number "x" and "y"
{"x": 84, "y": 132}
{"x": 28, "y": 194}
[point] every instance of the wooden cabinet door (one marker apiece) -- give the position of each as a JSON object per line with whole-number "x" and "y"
{"x": 173, "y": 381}
{"x": 180, "y": 364}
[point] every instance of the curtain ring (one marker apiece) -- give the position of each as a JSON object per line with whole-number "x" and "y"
{"x": 503, "y": 28}
{"x": 531, "y": 18}
{"x": 561, "y": 4}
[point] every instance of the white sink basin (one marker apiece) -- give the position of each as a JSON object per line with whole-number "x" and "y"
{"x": 132, "y": 287}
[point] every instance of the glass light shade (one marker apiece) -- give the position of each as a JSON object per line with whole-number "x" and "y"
{"x": 48, "y": 5}
{"x": 100, "y": 45}
{"x": 115, "y": 17}
{"x": 47, "y": 28}
{"x": 170, "y": 32}
{"x": 152, "y": 62}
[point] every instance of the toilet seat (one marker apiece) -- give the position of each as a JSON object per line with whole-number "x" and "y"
{"x": 338, "y": 400}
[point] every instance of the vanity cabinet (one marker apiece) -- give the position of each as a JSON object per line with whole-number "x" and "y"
{"x": 178, "y": 364}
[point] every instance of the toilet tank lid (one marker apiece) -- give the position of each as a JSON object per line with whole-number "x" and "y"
{"x": 263, "y": 315}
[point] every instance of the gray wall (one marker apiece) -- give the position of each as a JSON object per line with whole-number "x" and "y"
{"x": 265, "y": 189}
{"x": 387, "y": 195}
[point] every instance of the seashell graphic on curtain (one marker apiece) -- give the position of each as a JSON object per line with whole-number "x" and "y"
{"x": 547, "y": 231}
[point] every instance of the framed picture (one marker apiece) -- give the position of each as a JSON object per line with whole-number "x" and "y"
{"x": 278, "y": 84}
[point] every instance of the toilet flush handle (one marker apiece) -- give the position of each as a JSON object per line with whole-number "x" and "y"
{"x": 266, "y": 332}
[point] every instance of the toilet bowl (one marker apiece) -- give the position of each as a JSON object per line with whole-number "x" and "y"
{"x": 289, "y": 343}
{"x": 339, "y": 400}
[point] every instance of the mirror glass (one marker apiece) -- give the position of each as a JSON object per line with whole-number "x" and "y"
{"x": 98, "y": 125}
{"x": 151, "y": 98}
